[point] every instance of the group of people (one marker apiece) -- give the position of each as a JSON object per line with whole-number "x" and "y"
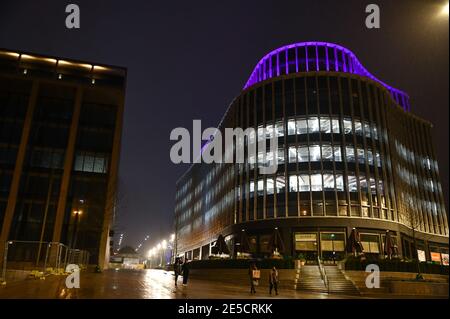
{"x": 181, "y": 268}
{"x": 254, "y": 274}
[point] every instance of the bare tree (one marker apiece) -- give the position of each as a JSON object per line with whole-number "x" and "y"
{"x": 411, "y": 218}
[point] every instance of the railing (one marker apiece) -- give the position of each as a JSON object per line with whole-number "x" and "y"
{"x": 22, "y": 258}
{"x": 323, "y": 275}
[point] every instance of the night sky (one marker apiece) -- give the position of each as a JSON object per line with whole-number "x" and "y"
{"x": 188, "y": 59}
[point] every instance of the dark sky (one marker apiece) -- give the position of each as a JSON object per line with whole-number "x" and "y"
{"x": 188, "y": 59}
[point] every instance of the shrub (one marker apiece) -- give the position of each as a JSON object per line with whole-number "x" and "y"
{"x": 395, "y": 265}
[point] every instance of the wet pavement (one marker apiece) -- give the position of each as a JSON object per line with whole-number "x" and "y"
{"x": 140, "y": 284}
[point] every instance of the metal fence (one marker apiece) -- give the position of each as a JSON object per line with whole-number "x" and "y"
{"x": 23, "y": 259}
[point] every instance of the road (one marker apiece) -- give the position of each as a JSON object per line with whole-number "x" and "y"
{"x": 139, "y": 284}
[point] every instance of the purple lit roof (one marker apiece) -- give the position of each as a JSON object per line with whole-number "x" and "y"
{"x": 337, "y": 59}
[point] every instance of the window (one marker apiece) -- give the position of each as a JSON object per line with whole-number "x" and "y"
{"x": 366, "y": 129}
{"x": 370, "y": 243}
{"x": 352, "y": 185}
{"x": 327, "y": 153}
{"x": 260, "y": 189}
{"x": 339, "y": 182}
{"x": 280, "y": 156}
{"x": 337, "y": 153}
{"x": 314, "y": 153}
{"x": 302, "y": 126}
{"x": 316, "y": 182}
{"x": 293, "y": 183}
{"x": 313, "y": 124}
{"x": 306, "y": 241}
{"x": 302, "y": 154}
{"x": 91, "y": 162}
{"x": 335, "y": 126}
{"x": 328, "y": 182}
{"x": 252, "y": 188}
{"x": 281, "y": 184}
{"x": 347, "y": 126}
{"x": 269, "y": 187}
{"x": 369, "y": 157}
{"x": 361, "y": 157}
{"x": 291, "y": 127}
{"x": 358, "y": 128}
{"x": 279, "y": 128}
{"x": 363, "y": 183}
{"x": 325, "y": 125}
{"x": 350, "y": 152}
{"x": 332, "y": 241}
{"x": 303, "y": 183}
{"x": 292, "y": 154}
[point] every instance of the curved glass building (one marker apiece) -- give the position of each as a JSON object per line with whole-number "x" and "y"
{"x": 350, "y": 155}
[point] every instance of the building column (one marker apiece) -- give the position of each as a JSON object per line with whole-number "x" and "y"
{"x": 103, "y": 254}
{"x": 68, "y": 164}
{"x": 15, "y": 183}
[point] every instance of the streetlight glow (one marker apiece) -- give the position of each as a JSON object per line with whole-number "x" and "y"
{"x": 164, "y": 244}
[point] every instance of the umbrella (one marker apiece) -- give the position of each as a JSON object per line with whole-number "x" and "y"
{"x": 276, "y": 242}
{"x": 354, "y": 243}
{"x": 243, "y": 244}
{"x": 221, "y": 246}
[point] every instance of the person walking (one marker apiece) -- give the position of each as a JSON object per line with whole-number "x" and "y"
{"x": 273, "y": 280}
{"x": 254, "y": 276}
{"x": 177, "y": 270}
{"x": 185, "y": 270}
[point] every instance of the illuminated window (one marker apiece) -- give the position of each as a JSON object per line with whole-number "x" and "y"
{"x": 302, "y": 126}
{"x": 314, "y": 153}
{"x": 313, "y": 124}
{"x": 302, "y": 154}
{"x": 350, "y": 152}
{"x": 325, "y": 125}
{"x": 335, "y": 126}
{"x": 361, "y": 157}
{"x": 328, "y": 182}
{"x": 281, "y": 184}
{"x": 347, "y": 126}
{"x": 292, "y": 154}
{"x": 293, "y": 183}
{"x": 279, "y": 128}
{"x": 252, "y": 188}
{"x": 260, "y": 188}
{"x": 327, "y": 153}
{"x": 337, "y": 153}
{"x": 358, "y": 128}
{"x": 280, "y": 157}
{"x": 270, "y": 186}
{"x": 316, "y": 182}
{"x": 303, "y": 182}
{"x": 352, "y": 185}
{"x": 339, "y": 182}
{"x": 291, "y": 127}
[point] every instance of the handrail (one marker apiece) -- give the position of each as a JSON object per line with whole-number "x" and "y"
{"x": 323, "y": 275}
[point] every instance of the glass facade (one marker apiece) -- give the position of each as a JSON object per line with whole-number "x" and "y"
{"x": 345, "y": 151}
{"x": 59, "y": 148}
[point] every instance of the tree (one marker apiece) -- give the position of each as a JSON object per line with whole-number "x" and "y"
{"x": 411, "y": 218}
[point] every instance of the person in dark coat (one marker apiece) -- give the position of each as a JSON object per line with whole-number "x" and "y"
{"x": 177, "y": 269}
{"x": 185, "y": 270}
{"x": 253, "y": 279}
{"x": 273, "y": 281}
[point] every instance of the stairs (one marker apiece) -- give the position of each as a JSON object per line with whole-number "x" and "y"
{"x": 308, "y": 279}
{"x": 338, "y": 283}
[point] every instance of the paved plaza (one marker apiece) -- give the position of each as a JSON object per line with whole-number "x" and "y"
{"x": 140, "y": 284}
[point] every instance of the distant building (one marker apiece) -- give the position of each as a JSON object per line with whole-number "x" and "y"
{"x": 351, "y": 155}
{"x": 60, "y": 130}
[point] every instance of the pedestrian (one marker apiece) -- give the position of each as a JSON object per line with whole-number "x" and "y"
{"x": 254, "y": 275}
{"x": 273, "y": 280}
{"x": 185, "y": 270}
{"x": 177, "y": 269}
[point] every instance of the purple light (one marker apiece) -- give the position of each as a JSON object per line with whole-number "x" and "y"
{"x": 350, "y": 64}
